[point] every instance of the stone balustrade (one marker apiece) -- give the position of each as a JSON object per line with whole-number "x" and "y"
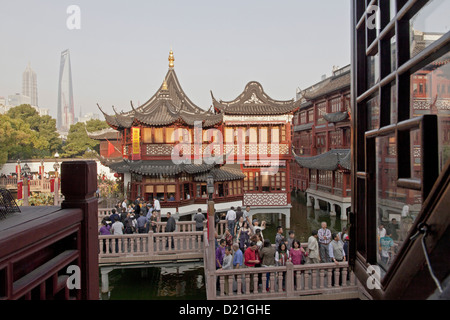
{"x": 284, "y": 281}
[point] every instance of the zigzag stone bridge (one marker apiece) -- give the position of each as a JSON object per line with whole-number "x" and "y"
{"x": 310, "y": 281}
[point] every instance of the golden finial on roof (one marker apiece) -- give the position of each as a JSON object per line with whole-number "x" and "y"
{"x": 164, "y": 86}
{"x": 171, "y": 59}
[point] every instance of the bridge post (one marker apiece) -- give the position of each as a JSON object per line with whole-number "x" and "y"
{"x": 289, "y": 279}
{"x": 316, "y": 204}
{"x": 105, "y": 279}
{"x": 211, "y": 252}
{"x": 79, "y": 183}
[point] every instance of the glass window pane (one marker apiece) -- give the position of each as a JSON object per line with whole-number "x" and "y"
{"x": 428, "y": 25}
{"x": 373, "y": 113}
{"x": 396, "y": 207}
{"x": 393, "y": 102}
{"x": 429, "y": 100}
{"x": 373, "y": 70}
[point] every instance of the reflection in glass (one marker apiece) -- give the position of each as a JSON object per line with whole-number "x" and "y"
{"x": 428, "y": 25}
{"x": 373, "y": 113}
{"x": 393, "y": 102}
{"x": 416, "y": 155}
{"x": 396, "y": 207}
{"x": 373, "y": 70}
{"x": 430, "y": 94}
{"x": 393, "y": 54}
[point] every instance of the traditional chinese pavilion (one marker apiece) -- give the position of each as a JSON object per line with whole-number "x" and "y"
{"x": 169, "y": 147}
{"x": 321, "y": 143}
{"x": 257, "y": 132}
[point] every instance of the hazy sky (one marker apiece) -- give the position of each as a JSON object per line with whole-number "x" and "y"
{"x": 121, "y": 51}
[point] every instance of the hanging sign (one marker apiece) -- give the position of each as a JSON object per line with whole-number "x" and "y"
{"x": 136, "y": 143}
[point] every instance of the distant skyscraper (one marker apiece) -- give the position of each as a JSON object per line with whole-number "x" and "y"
{"x": 29, "y": 85}
{"x": 66, "y": 113}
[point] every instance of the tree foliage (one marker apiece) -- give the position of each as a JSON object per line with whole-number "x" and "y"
{"x": 45, "y": 126}
{"x": 78, "y": 142}
{"x": 17, "y": 139}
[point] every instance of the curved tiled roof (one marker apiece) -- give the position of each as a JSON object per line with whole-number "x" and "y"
{"x": 331, "y": 160}
{"x": 108, "y": 133}
{"x": 222, "y": 174}
{"x": 168, "y": 167}
{"x": 328, "y": 86}
{"x": 167, "y": 106}
{"x": 254, "y": 101}
{"x": 336, "y": 117}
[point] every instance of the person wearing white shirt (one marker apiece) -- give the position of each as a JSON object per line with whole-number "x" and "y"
{"x": 157, "y": 208}
{"x": 117, "y": 228}
{"x": 257, "y": 227}
{"x": 231, "y": 219}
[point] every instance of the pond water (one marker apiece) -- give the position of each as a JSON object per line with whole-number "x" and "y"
{"x": 186, "y": 281}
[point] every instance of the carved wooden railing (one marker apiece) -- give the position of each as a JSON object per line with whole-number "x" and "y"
{"x": 144, "y": 247}
{"x": 285, "y": 281}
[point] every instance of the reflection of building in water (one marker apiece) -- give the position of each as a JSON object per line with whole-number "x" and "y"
{"x": 180, "y": 281}
{"x": 400, "y": 147}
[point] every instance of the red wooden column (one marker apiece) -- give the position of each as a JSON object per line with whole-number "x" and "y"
{"x": 79, "y": 183}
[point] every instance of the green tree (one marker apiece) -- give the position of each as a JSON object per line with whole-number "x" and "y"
{"x": 48, "y": 140}
{"x": 78, "y": 142}
{"x": 17, "y": 139}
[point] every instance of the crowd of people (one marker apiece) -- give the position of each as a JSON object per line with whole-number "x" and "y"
{"x": 139, "y": 216}
{"x": 243, "y": 245}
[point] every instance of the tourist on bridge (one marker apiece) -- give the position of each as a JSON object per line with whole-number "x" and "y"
{"x": 279, "y": 236}
{"x": 227, "y": 265}
{"x": 157, "y": 207}
{"x": 199, "y": 218}
{"x": 239, "y": 214}
{"x": 231, "y": 220}
{"x": 220, "y": 253}
{"x": 238, "y": 262}
{"x": 114, "y": 216}
{"x": 142, "y": 223}
{"x": 125, "y": 203}
{"x": 228, "y": 238}
{"x": 297, "y": 253}
{"x": 259, "y": 228}
{"x": 244, "y": 236}
{"x": 336, "y": 249}
{"x": 237, "y": 227}
{"x": 281, "y": 257}
{"x": 251, "y": 257}
{"x": 313, "y": 248}
{"x": 247, "y": 216}
{"x": 267, "y": 255}
{"x": 117, "y": 229}
{"x": 337, "y": 254}
{"x": 170, "y": 227}
{"x": 324, "y": 236}
{"x": 290, "y": 239}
